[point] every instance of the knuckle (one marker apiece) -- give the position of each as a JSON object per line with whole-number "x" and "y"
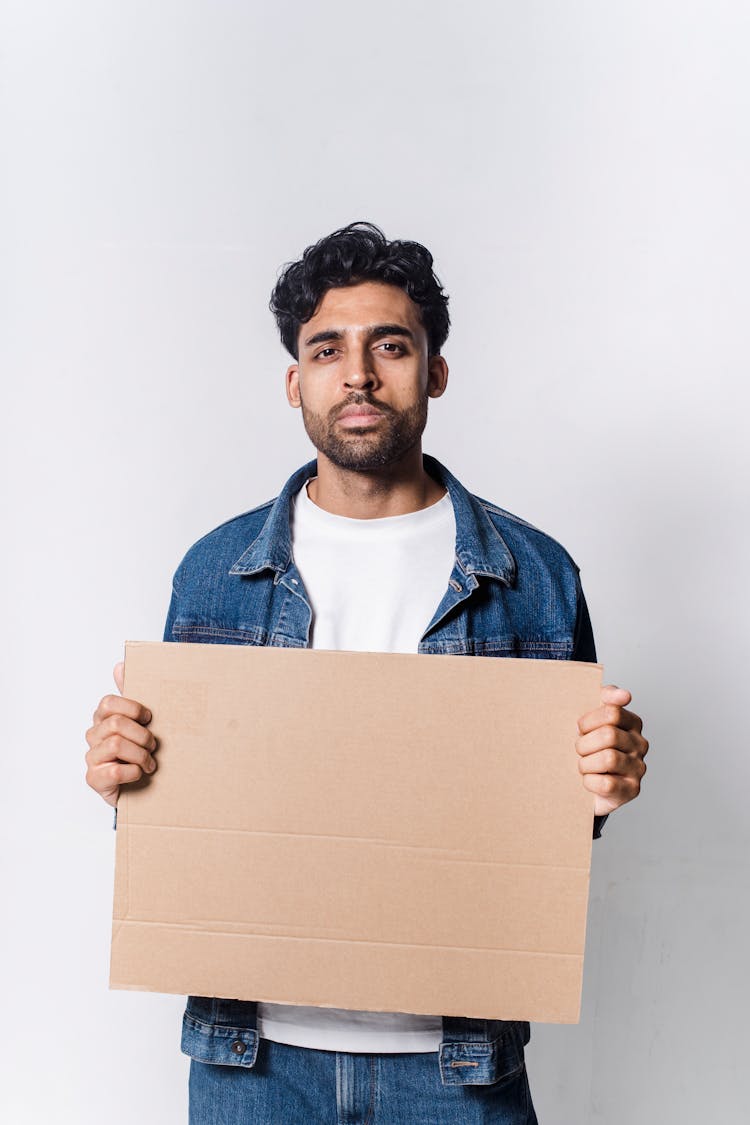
{"x": 95, "y": 781}
{"x": 115, "y": 723}
{"x": 613, "y": 760}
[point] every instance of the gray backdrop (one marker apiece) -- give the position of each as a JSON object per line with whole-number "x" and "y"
{"x": 580, "y": 171}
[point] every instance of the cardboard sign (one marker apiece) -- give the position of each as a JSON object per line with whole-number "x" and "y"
{"x": 370, "y": 831}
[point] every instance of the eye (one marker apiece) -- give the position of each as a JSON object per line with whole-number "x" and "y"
{"x": 391, "y": 348}
{"x": 325, "y": 353}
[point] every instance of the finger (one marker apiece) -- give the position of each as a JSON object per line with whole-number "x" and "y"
{"x": 118, "y": 726}
{"x": 612, "y": 762}
{"x": 119, "y": 674}
{"x": 107, "y": 778}
{"x": 117, "y": 749}
{"x": 118, "y": 705}
{"x": 607, "y": 737}
{"x": 617, "y": 790}
{"x": 610, "y": 714}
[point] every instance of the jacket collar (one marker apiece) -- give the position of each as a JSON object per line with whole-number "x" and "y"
{"x": 480, "y": 548}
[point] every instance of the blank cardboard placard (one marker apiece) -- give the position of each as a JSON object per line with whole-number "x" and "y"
{"x": 358, "y": 830}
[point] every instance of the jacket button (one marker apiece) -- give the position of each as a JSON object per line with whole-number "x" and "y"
{"x": 238, "y": 1047}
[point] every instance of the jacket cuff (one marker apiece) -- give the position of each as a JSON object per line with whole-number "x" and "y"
{"x": 599, "y": 822}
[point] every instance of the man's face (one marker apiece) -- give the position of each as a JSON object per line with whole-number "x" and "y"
{"x": 364, "y": 376}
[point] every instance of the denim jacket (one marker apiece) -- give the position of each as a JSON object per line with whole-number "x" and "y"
{"x": 513, "y": 591}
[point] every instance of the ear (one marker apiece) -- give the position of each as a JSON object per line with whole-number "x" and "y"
{"x": 437, "y": 376}
{"x": 292, "y": 386}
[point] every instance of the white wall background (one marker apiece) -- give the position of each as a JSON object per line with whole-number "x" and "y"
{"x": 581, "y": 171}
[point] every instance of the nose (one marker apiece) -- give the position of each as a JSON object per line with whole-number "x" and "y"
{"x": 359, "y": 371}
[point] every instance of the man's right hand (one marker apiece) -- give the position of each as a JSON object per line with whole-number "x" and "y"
{"x": 120, "y": 743}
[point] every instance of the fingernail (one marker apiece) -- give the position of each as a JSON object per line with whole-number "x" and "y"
{"x": 148, "y": 716}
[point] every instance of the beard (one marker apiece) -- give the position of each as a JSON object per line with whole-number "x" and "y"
{"x": 367, "y": 449}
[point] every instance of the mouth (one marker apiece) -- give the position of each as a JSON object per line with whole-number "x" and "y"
{"x": 358, "y": 414}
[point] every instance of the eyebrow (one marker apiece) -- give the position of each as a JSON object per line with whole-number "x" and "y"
{"x": 374, "y": 331}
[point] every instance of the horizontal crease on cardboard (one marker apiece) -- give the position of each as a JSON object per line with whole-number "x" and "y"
{"x": 349, "y": 941}
{"x": 446, "y": 853}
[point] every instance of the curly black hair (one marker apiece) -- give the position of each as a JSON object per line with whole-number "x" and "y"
{"x": 355, "y": 253}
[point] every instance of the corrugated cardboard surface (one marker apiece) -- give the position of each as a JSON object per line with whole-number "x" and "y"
{"x": 373, "y": 831}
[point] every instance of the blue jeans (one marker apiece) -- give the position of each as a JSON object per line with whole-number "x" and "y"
{"x": 300, "y": 1086}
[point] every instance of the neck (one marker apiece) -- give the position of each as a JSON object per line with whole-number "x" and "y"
{"x": 394, "y": 490}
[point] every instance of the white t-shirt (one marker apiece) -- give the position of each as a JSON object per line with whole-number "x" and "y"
{"x": 374, "y": 586}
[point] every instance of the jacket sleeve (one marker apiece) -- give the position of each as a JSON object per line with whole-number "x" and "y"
{"x": 584, "y": 649}
{"x": 172, "y": 611}
{"x": 583, "y": 646}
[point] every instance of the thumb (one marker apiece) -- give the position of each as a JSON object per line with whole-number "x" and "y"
{"x": 611, "y": 693}
{"x": 119, "y": 674}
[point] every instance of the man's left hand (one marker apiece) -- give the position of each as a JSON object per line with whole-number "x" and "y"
{"x": 612, "y": 748}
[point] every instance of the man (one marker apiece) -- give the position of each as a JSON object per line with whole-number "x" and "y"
{"x": 378, "y": 548}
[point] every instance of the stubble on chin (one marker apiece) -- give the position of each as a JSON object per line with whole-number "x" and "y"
{"x": 367, "y": 449}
